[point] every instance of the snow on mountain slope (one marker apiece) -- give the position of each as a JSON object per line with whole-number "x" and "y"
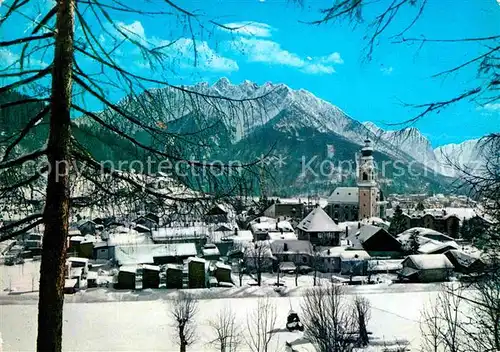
{"x": 445, "y": 159}
{"x": 452, "y": 157}
{"x": 409, "y": 140}
{"x": 242, "y": 108}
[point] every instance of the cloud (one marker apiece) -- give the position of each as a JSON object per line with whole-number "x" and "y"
{"x": 492, "y": 107}
{"x": 387, "y": 70}
{"x": 204, "y": 58}
{"x": 135, "y": 30}
{"x": 318, "y": 69}
{"x": 271, "y": 52}
{"x": 7, "y": 57}
{"x": 181, "y": 53}
{"x": 333, "y": 58}
{"x": 254, "y": 29}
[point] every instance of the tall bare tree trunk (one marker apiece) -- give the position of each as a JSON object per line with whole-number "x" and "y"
{"x": 56, "y": 213}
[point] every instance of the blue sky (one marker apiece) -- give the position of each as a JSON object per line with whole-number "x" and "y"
{"x": 274, "y": 45}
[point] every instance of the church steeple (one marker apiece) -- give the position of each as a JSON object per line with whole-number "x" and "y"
{"x": 366, "y": 172}
{"x": 368, "y": 191}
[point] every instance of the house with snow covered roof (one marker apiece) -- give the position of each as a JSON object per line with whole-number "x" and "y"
{"x": 426, "y": 268}
{"x": 296, "y": 251}
{"x": 318, "y": 228}
{"x": 285, "y": 210}
{"x": 465, "y": 263}
{"x": 376, "y": 241}
{"x": 442, "y": 222}
{"x": 218, "y": 213}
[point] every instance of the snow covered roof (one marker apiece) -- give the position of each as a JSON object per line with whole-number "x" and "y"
{"x": 332, "y": 251}
{"x": 142, "y": 227}
{"x": 127, "y": 236}
{"x": 358, "y": 254}
{"x": 261, "y": 219}
{"x": 176, "y": 232}
{"x": 318, "y": 221}
{"x": 196, "y": 259}
{"x": 292, "y": 246}
{"x": 282, "y": 235}
{"x": 344, "y": 195}
{"x": 128, "y": 268}
{"x": 385, "y": 265}
{"x": 77, "y": 238}
{"x": 462, "y": 258}
{"x": 429, "y": 261}
{"x": 432, "y": 246}
{"x": 220, "y": 265}
{"x": 150, "y": 267}
{"x": 210, "y": 251}
{"x": 145, "y": 254}
{"x": 422, "y": 231}
{"x": 376, "y": 221}
{"x": 77, "y": 259}
{"x": 74, "y": 232}
{"x": 240, "y": 236}
{"x": 366, "y": 232}
{"x": 173, "y": 266}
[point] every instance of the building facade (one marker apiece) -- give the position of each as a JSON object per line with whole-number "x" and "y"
{"x": 362, "y": 202}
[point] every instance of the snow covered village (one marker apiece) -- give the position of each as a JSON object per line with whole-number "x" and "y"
{"x": 249, "y": 176}
{"x": 269, "y": 255}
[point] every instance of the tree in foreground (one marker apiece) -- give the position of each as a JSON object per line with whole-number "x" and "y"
{"x": 328, "y": 319}
{"x": 257, "y": 258}
{"x": 261, "y": 326}
{"x": 362, "y": 311}
{"x": 183, "y": 311}
{"x": 227, "y": 331}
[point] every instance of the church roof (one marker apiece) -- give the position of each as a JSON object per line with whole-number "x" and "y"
{"x": 318, "y": 221}
{"x": 344, "y": 195}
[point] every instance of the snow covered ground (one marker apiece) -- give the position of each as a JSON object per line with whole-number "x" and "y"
{"x": 146, "y": 325}
{"x": 110, "y": 320}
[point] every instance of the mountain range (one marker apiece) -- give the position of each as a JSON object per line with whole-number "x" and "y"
{"x": 446, "y": 159}
{"x": 308, "y": 142}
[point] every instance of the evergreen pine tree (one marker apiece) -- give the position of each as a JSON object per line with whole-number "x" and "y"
{"x": 398, "y": 222}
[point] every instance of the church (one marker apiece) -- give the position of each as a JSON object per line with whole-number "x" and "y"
{"x": 361, "y": 202}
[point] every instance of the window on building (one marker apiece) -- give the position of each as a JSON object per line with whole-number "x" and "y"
{"x": 365, "y": 176}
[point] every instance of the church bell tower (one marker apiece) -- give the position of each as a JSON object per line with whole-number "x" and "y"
{"x": 368, "y": 191}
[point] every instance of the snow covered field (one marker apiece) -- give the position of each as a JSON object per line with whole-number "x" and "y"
{"x": 145, "y": 325}
{"x": 110, "y": 320}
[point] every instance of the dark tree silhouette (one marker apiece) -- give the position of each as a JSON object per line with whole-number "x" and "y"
{"x": 398, "y": 223}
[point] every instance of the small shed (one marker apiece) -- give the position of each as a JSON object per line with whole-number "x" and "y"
{"x": 86, "y": 227}
{"x": 103, "y": 251}
{"x": 223, "y": 272}
{"x": 147, "y": 222}
{"x": 126, "y": 277}
{"x": 426, "y": 268}
{"x": 197, "y": 272}
{"x": 210, "y": 252}
{"x": 74, "y": 244}
{"x": 174, "y": 276}
{"x": 150, "y": 276}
